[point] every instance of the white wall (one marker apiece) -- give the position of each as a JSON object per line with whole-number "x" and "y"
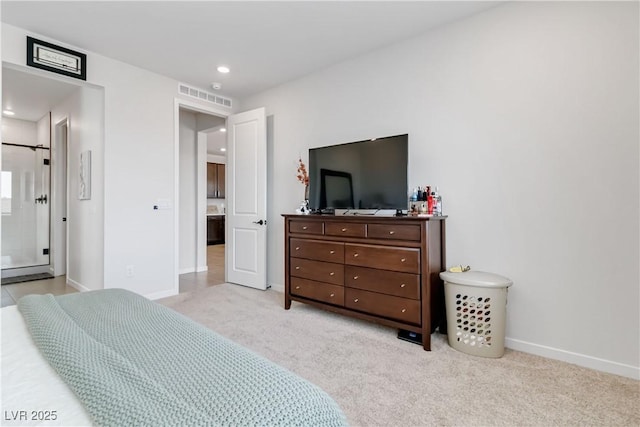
{"x": 526, "y": 117}
{"x": 85, "y": 218}
{"x": 188, "y": 190}
{"x": 16, "y": 131}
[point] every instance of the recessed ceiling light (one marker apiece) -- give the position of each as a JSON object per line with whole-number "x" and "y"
{"x": 223, "y": 129}
{"x": 8, "y": 113}
{"x": 216, "y": 85}
{"x": 223, "y": 69}
{"x": 223, "y": 149}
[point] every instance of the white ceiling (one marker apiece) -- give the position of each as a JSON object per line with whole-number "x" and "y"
{"x": 29, "y": 96}
{"x": 264, "y": 43}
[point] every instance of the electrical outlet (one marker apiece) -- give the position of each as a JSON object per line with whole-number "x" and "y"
{"x": 129, "y": 270}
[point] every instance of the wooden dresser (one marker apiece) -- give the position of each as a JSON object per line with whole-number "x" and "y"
{"x": 381, "y": 269}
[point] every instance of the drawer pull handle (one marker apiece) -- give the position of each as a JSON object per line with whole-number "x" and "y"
{"x": 297, "y": 248}
{"x": 403, "y": 285}
{"x": 404, "y": 310}
{"x": 355, "y": 277}
{"x": 332, "y": 295}
{"x": 403, "y": 259}
{"x": 297, "y": 267}
{"x": 304, "y": 227}
{"x": 344, "y": 229}
{"x": 297, "y": 287}
{"x": 355, "y": 300}
{"x": 332, "y": 274}
{"x": 355, "y": 255}
{"x": 392, "y": 232}
{"x": 332, "y": 252}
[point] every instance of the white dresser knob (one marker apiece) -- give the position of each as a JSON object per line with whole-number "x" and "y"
{"x": 344, "y": 229}
{"x": 332, "y": 295}
{"x": 403, "y": 285}
{"x": 332, "y": 252}
{"x": 392, "y": 232}
{"x": 355, "y": 300}
{"x": 403, "y": 260}
{"x": 304, "y": 228}
{"x": 332, "y": 274}
{"x": 297, "y": 267}
{"x": 297, "y": 287}
{"x": 404, "y": 309}
{"x": 297, "y": 248}
{"x": 355, "y": 255}
{"x": 355, "y": 277}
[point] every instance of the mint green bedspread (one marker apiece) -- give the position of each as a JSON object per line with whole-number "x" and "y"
{"x": 131, "y": 361}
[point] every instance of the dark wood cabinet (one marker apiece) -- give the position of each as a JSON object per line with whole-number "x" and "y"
{"x": 381, "y": 269}
{"x": 215, "y": 180}
{"x": 215, "y": 229}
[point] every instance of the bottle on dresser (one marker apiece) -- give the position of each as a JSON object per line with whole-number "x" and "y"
{"x": 437, "y": 202}
{"x": 413, "y": 199}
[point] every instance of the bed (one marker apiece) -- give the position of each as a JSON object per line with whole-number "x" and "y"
{"x": 112, "y": 357}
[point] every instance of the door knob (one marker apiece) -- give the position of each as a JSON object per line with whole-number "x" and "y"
{"x": 260, "y": 222}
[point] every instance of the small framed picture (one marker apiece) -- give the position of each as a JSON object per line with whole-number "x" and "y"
{"x": 56, "y": 59}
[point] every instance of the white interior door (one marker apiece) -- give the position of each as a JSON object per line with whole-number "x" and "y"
{"x": 246, "y": 225}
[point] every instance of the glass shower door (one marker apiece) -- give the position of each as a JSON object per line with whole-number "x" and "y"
{"x": 24, "y": 188}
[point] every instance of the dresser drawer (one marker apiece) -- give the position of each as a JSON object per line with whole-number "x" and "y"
{"x": 406, "y": 285}
{"x": 308, "y": 227}
{"x": 317, "y": 270}
{"x": 383, "y": 257}
{"x": 317, "y": 250}
{"x": 319, "y": 291}
{"x": 345, "y": 229}
{"x": 403, "y": 309}
{"x": 392, "y": 231}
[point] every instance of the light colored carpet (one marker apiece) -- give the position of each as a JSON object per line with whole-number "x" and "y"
{"x": 379, "y": 380}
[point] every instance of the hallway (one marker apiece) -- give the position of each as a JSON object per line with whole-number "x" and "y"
{"x": 190, "y": 282}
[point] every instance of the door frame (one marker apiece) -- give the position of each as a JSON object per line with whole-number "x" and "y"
{"x": 200, "y": 108}
{"x": 59, "y": 262}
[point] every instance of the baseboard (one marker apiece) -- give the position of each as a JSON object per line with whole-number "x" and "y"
{"x": 77, "y": 285}
{"x": 277, "y": 287}
{"x": 187, "y": 270}
{"x": 556, "y": 354}
{"x": 202, "y": 268}
{"x": 163, "y": 294}
{"x": 575, "y": 358}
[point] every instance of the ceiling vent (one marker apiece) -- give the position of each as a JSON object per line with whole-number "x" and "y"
{"x": 204, "y": 96}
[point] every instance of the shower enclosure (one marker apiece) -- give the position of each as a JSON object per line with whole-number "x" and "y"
{"x": 25, "y": 202}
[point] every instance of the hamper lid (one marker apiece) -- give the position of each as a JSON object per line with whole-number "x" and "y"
{"x": 476, "y": 278}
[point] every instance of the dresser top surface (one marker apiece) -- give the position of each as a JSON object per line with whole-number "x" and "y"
{"x": 370, "y": 218}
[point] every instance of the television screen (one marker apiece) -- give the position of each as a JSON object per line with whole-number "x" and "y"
{"x": 369, "y": 174}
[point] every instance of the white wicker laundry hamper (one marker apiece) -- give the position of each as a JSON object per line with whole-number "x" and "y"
{"x": 476, "y": 305}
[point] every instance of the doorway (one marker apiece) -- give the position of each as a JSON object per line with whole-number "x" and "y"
{"x": 60, "y": 190}
{"x": 199, "y": 264}
{"x": 30, "y": 169}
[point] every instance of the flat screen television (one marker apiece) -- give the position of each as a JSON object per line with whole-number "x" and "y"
{"x": 369, "y": 174}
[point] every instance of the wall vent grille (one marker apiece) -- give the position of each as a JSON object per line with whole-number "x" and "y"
{"x": 204, "y": 96}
